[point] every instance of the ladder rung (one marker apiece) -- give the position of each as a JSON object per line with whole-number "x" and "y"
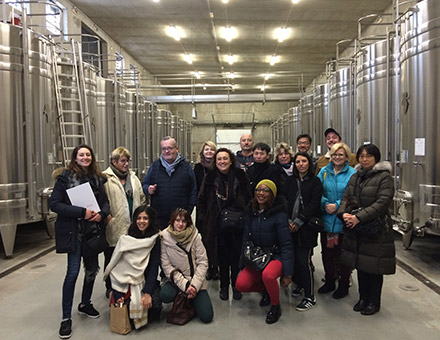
{"x": 67, "y": 75}
{"x": 73, "y": 136}
{"x": 64, "y": 63}
{"x": 69, "y": 99}
{"x": 62, "y": 87}
{"x": 72, "y": 124}
{"x": 71, "y": 111}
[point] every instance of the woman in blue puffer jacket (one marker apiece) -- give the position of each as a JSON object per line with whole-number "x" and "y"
{"x": 334, "y": 178}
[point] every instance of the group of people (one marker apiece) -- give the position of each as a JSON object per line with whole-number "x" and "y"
{"x": 282, "y": 206}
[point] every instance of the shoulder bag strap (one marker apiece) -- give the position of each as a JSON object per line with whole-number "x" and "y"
{"x": 188, "y": 253}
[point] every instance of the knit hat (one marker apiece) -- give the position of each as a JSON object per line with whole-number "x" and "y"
{"x": 271, "y": 185}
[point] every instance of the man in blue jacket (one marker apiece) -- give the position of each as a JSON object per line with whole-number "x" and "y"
{"x": 170, "y": 182}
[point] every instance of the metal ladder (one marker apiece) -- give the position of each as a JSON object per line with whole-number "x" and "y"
{"x": 73, "y": 114}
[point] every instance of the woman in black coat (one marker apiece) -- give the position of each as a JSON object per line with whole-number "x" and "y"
{"x": 367, "y": 198}
{"x": 302, "y": 205}
{"x": 73, "y": 222}
{"x": 267, "y": 227}
{"x": 224, "y": 187}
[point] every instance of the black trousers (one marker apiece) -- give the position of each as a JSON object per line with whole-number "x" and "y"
{"x": 370, "y": 287}
{"x": 107, "y": 257}
{"x": 228, "y": 252}
{"x": 303, "y": 270}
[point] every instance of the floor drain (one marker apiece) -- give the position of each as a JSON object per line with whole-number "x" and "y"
{"x": 409, "y": 287}
{"x": 38, "y": 266}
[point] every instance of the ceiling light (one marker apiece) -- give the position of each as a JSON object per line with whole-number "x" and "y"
{"x": 175, "y": 32}
{"x": 197, "y": 75}
{"x": 267, "y": 76}
{"x": 225, "y": 1}
{"x": 231, "y": 59}
{"x": 156, "y": 0}
{"x": 274, "y": 59}
{"x": 228, "y": 33}
{"x": 295, "y": 2}
{"x": 231, "y": 75}
{"x": 282, "y": 33}
{"x": 188, "y": 58}
{"x": 263, "y": 88}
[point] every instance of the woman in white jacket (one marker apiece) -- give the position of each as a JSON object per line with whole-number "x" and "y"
{"x": 134, "y": 266}
{"x": 125, "y": 194}
{"x": 184, "y": 263}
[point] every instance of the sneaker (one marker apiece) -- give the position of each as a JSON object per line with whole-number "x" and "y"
{"x": 88, "y": 310}
{"x": 306, "y": 304}
{"x": 65, "y": 329}
{"x": 298, "y": 291}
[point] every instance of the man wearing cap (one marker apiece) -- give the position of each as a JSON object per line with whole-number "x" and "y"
{"x": 332, "y": 137}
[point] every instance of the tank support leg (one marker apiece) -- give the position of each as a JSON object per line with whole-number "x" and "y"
{"x": 408, "y": 238}
{"x": 8, "y": 237}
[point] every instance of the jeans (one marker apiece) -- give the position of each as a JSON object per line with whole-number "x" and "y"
{"x": 73, "y": 266}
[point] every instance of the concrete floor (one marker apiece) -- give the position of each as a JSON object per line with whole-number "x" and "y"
{"x": 31, "y": 304}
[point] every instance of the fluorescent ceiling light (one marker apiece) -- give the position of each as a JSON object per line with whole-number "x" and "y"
{"x": 295, "y": 2}
{"x": 267, "y": 76}
{"x": 282, "y": 33}
{"x": 231, "y": 75}
{"x": 188, "y": 58}
{"x": 274, "y": 59}
{"x": 175, "y": 32}
{"x": 263, "y": 88}
{"x": 231, "y": 59}
{"x": 225, "y": 1}
{"x": 228, "y": 33}
{"x": 156, "y": 0}
{"x": 197, "y": 75}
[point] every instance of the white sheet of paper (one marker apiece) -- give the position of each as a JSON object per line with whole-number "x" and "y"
{"x": 82, "y": 196}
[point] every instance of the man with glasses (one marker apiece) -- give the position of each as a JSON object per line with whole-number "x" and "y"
{"x": 170, "y": 182}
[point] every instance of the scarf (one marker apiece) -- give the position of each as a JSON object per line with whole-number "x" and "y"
{"x": 124, "y": 175}
{"x": 288, "y": 168}
{"x": 183, "y": 237}
{"x": 206, "y": 163}
{"x": 170, "y": 168}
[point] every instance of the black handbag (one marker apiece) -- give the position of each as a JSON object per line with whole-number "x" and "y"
{"x": 231, "y": 220}
{"x": 255, "y": 257}
{"x": 371, "y": 230}
{"x": 94, "y": 239}
{"x": 316, "y": 225}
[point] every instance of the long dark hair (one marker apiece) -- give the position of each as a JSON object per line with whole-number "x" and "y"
{"x": 152, "y": 229}
{"x": 93, "y": 168}
{"x": 310, "y": 172}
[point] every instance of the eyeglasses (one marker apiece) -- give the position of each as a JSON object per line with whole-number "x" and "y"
{"x": 265, "y": 190}
{"x": 169, "y": 148}
{"x": 123, "y": 160}
{"x": 340, "y": 155}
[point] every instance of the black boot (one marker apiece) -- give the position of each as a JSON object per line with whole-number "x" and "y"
{"x": 274, "y": 314}
{"x": 224, "y": 293}
{"x": 327, "y": 287}
{"x": 342, "y": 290}
{"x": 236, "y": 295}
{"x": 265, "y": 298}
{"x": 370, "y": 309}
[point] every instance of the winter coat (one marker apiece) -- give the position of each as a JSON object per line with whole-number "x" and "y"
{"x": 324, "y": 160}
{"x": 176, "y": 191}
{"x": 119, "y": 209}
{"x": 70, "y": 220}
{"x": 243, "y": 162}
{"x": 266, "y": 170}
{"x": 311, "y": 191}
{"x": 209, "y": 210}
{"x": 375, "y": 191}
{"x": 334, "y": 187}
{"x": 173, "y": 257}
{"x": 200, "y": 172}
{"x": 269, "y": 229}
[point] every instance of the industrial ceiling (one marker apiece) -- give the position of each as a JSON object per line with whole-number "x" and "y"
{"x": 143, "y": 28}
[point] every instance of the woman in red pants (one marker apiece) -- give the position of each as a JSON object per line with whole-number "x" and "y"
{"x": 268, "y": 227}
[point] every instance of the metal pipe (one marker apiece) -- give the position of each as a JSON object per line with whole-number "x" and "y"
{"x": 32, "y": 194}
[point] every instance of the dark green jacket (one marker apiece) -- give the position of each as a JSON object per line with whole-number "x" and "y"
{"x": 374, "y": 189}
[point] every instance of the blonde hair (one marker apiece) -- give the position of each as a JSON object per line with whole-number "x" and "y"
{"x": 285, "y": 146}
{"x": 119, "y": 153}
{"x": 207, "y": 143}
{"x": 338, "y": 146}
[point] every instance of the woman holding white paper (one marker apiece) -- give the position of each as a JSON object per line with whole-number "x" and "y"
{"x": 73, "y": 222}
